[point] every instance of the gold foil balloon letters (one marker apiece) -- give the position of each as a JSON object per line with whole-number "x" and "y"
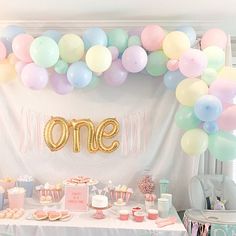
{"x": 97, "y": 138}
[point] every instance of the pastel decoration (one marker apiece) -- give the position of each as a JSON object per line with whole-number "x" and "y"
{"x": 209, "y": 75}
{"x": 95, "y": 81}
{"x": 94, "y": 36}
{"x": 71, "y": 48}
{"x": 7, "y": 72}
{"x": 189, "y": 91}
{"x": 175, "y": 44}
{"x": 116, "y": 75}
{"x": 60, "y": 84}
{"x": 214, "y": 37}
{"x": 194, "y": 142}
{"x": 190, "y": 32}
{"x": 98, "y": 58}
{"x": 227, "y": 73}
{"x": 227, "y": 120}
{"x": 44, "y": 51}
{"x": 11, "y": 31}
{"x": 172, "y": 65}
{"x": 114, "y": 52}
{"x": 215, "y": 57}
{"x": 34, "y": 76}
{"x": 19, "y": 67}
{"x": 21, "y": 47}
{"x": 222, "y": 145}
{"x": 172, "y": 79}
{"x": 12, "y": 59}
{"x": 53, "y": 34}
{"x": 3, "y": 51}
{"x": 79, "y": 75}
{"x": 7, "y": 44}
{"x": 186, "y": 119}
{"x": 225, "y": 90}
{"x": 134, "y": 59}
{"x": 192, "y": 63}
{"x": 118, "y": 38}
{"x": 61, "y": 67}
{"x": 134, "y": 40}
{"x": 210, "y": 127}
{"x": 152, "y": 37}
{"x": 208, "y": 108}
{"x": 156, "y": 64}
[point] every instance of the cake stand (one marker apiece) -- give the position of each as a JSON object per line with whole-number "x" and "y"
{"x": 99, "y": 211}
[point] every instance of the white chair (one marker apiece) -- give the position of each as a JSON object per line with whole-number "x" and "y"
{"x": 203, "y": 186}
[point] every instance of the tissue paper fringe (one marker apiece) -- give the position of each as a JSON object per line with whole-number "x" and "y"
{"x": 133, "y": 132}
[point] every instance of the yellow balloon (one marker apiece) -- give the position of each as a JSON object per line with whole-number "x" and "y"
{"x": 227, "y": 73}
{"x": 194, "y": 142}
{"x": 98, "y": 58}
{"x": 175, "y": 44}
{"x": 71, "y": 48}
{"x": 7, "y": 72}
{"x": 12, "y": 59}
{"x": 189, "y": 90}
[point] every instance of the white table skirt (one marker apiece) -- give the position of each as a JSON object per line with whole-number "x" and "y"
{"x": 84, "y": 225}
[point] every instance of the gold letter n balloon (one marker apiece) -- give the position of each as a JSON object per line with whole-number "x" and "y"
{"x": 96, "y": 137}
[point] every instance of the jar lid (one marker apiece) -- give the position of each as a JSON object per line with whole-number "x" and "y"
{"x": 164, "y": 181}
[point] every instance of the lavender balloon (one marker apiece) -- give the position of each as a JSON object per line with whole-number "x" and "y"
{"x": 60, "y": 83}
{"x": 34, "y": 76}
{"x": 116, "y": 74}
{"x": 134, "y": 59}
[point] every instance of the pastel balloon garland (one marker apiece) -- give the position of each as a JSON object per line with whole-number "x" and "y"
{"x": 205, "y": 88}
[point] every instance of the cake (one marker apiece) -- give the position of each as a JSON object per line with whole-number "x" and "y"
{"x": 99, "y": 201}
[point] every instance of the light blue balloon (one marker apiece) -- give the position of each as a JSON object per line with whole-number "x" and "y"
{"x": 210, "y": 127}
{"x": 7, "y": 44}
{"x": 172, "y": 79}
{"x": 208, "y": 108}
{"x": 11, "y": 31}
{"x": 94, "y": 36}
{"x": 79, "y": 75}
{"x": 53, "y": 34}
{"x": 190, "y": 32}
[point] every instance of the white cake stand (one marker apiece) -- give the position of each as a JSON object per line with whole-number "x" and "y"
{"x": 99, "y": 211}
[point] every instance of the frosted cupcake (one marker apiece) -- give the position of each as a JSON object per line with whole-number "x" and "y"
{"x": 26, "y": 182}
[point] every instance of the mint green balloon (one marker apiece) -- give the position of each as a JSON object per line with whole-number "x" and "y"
{"x": 156, "y": 64}
{"x": 61, "y": 67}
{"x": 209, "y": 75}
{"x": 134, "y": 40}
{"x": 186, "y": 119}
{"x": 95, "y": 81}
{"x": 222, "y": 146}
{"x": 44, "y": 51}
{"x": 118, "y": 38}
{"x": 215, "y": 57}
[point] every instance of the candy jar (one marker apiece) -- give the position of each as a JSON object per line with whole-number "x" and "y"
{"x": 164, "y": 186}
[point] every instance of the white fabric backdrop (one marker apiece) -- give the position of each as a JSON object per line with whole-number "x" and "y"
{"x": 140, "y": 93}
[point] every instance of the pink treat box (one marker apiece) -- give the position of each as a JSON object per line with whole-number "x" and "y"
{"x": 76, "y": 197}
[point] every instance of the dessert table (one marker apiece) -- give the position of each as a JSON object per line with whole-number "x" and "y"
{"x": 83, "y": 223}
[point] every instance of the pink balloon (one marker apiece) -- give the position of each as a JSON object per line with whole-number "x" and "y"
{"x": 152, "y": 37}
{"x": 214, "y": 37}
{"x": 116, "y": 74}
{"x": 114, "y": 52}
{"x": 227, "y": 120}
{"x": 19, "y": 66}
{"x": 134, "y": 59}
{"x": 192, "y": 63}
{"x": 172, "y": 65}
{"x": 34, "y": 76}
{"x": 21, "y": 47}
{"x": 60, "y": 83}
{"x": 3, "y": 51}
{"x": 224, "y": 89}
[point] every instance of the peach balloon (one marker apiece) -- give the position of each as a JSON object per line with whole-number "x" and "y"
{"x": 214, "y": 37}
{"x": 227, "y": 120}
{"x": 152, "y": 37}
{"x": 172, "y": 65}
